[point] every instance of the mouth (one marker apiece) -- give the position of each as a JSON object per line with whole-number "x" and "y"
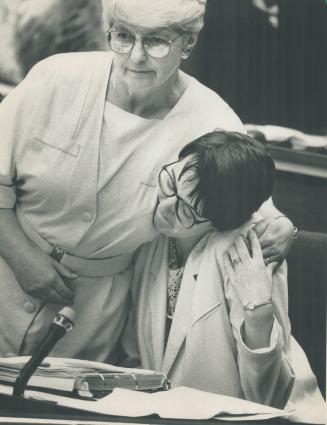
{"x": 138, "y": 71}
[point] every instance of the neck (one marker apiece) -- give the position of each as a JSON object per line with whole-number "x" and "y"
{"x": 184, "y": 247}
{"x": 150, "y": 101}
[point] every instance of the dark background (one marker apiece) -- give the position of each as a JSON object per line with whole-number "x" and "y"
{"x": 267, "y": 75}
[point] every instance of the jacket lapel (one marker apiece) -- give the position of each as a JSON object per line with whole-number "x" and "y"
{"x": 199, "y": 295}
{"x": 158, "y": 301}
{"x": 183, "y": 314}
{"x": 181, "y": 323}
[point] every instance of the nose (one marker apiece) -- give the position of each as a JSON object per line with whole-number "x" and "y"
{"x": 138, "y": 54}
{"x": 167, "y": 204}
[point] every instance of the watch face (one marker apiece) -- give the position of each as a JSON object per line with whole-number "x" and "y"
{"x": 250, "y": 305}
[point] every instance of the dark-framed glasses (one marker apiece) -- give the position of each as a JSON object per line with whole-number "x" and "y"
{"x": 185, "y": 213}
{"x": 155, "y": 46}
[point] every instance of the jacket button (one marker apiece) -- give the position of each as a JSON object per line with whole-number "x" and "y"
{"x": 87, "y": 216}
{"x": 29, "y": 307}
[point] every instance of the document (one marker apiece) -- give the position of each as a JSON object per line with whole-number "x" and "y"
{"x": 177, "y": 403}
{"x": 88, "y": 378}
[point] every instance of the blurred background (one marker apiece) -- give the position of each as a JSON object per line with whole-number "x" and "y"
{"x": 268, "y": 60}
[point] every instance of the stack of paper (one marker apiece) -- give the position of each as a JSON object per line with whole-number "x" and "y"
{"x": 85, "y": 377}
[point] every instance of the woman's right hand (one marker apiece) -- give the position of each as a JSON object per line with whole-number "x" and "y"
{"x": 38, "y": 274}
{"x": 42, "y": 277}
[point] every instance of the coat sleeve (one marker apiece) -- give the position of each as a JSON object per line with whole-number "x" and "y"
{"x": 266, "y": 374}
{"x": 15, "y": 115}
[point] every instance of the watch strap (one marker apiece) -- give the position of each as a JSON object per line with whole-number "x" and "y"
{"x": 252, "y": 305}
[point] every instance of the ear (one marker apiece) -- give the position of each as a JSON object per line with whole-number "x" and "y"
{"x": 189, "y": 42}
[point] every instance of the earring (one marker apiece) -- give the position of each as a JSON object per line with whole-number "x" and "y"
{"x": 185, "y": 53}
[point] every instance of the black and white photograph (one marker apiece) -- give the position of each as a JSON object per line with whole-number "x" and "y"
{"x": 163, "y": 212}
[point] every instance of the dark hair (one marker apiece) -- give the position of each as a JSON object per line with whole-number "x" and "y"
{"x": 235, "y": 175}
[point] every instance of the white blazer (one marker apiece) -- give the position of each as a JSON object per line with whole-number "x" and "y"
{"x": 205, "y": 349}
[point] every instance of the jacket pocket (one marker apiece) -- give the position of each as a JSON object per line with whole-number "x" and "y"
{"x": 212, "y": 310}
{"x": 55, "y": 140}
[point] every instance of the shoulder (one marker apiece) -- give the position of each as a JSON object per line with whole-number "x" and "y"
{"x": 70, "y": 66}
{"x": 219, "y": 113}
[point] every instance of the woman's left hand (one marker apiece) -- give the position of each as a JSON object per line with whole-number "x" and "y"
{"x": 247, "y": 272}
{"x": 276, "y": 236}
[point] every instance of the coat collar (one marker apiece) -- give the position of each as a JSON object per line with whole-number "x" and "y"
{"x": 158, "y": 301}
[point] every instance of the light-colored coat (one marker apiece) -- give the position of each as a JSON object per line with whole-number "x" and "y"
{"x": 205, "y": 349}
{"x": 51, "y": 128}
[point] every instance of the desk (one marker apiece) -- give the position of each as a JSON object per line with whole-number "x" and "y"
{"x": 22, "y": 408}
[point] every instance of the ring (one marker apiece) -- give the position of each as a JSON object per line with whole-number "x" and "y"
{"x": 236, "y": 261}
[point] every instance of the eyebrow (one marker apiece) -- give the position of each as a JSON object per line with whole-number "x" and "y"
{"x": 151, "y": 31}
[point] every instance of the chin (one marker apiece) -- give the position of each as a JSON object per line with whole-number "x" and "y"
{"x": 164, "y": 228}
{"x": 140, "y": 80}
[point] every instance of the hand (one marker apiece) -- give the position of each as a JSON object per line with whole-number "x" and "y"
{"x": 41, "y": 277}
{"x": 247, "y": 273}
{"x": 276, "y": 236}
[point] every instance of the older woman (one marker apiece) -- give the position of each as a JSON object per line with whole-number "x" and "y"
{"x": 82, "y": 140}
{"x": 209, "y": 313}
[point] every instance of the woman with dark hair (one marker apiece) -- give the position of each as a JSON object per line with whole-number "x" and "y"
{"x": 209, "y": 313}
{"x": 234, "y": 161}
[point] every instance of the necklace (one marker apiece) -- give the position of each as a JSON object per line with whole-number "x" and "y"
{"x": 175, "y": 274}
{"x": 172, "y": 253}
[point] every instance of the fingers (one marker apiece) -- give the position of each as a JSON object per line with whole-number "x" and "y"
{"x": 64, "y": 271}
{"x": 273, "y": 259}
{"x": 254, "y": 244}
{"x": 260, "y": 228}
{"x": 55, "y": 296}
{"x": 64, "y": 292}
{"x": 272, "y": 253}
{"x": 62, "y": 288}
{"x": 234, "y": 256}
{"x": 51, "y": 294}
{"x": 242, "y": 249}
{"x": 55, "y": 290}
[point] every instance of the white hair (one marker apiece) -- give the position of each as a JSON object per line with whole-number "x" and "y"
{"x": 180, "y": 14}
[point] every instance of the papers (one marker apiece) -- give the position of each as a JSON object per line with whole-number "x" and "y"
{"x": 178, "y": 403}
{"x": 184, "y": 403}
{"x": 87, "y": 377}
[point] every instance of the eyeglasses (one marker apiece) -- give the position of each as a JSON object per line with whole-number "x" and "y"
{"x": 123, "y": 42}
{"x": 184, "y": 212}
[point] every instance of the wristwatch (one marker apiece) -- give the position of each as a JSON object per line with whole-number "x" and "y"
{"x": 251, "y": 305}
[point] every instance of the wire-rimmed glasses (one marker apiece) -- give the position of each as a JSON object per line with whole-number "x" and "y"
{"x": 155, "y": 46}
{"x": 184, "y": 212}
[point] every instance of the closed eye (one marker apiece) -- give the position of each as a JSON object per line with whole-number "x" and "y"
{"x": 185, "y": 209}
{"x": 123, "y": 36}
{"x": 155, "y": 41}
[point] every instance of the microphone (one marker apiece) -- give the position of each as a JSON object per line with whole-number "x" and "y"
{"x": 62, "y": 323}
